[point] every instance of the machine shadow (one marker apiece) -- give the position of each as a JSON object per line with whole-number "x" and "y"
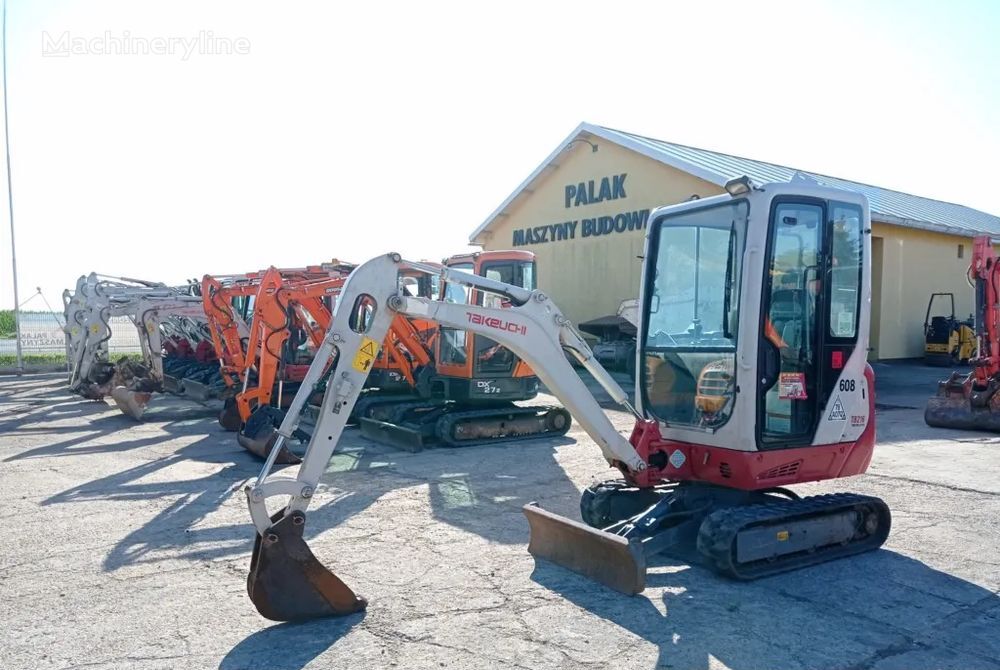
{"x": 476, "y": 489}
{"x": 847, "y": 613}
{"x": 465, "y": 484}
{"x": 288, "y": 646}
{"x": 186, "y": 501}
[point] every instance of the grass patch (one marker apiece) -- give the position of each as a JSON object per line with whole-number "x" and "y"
{"x": 10, "y": 360}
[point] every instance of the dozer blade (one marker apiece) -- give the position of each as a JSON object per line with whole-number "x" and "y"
{"x": 394, "y": 435}
{"x": 288, "y": 583}
{"x": 131, "y": 403}
{"x": 172, "y": 385}
{"x": 195, "y": 390}
{"x": 261, "y": 444}
{"x": 957, "y": 412}
{"x": 604, "y": 557}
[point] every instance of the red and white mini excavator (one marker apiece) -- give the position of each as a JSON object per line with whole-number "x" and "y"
{"x": 970, "y": 401}
{"x": 753, "y": 334}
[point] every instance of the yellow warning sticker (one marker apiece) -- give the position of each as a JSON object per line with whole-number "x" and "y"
{"x": 365, "y": 357}
{"x": 782, "y": 535}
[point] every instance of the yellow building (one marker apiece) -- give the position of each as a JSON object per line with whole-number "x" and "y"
{"x": 583, "y": 212}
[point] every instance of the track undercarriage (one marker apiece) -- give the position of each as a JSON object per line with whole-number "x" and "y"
{"x": 412, "y": 426}
{"x": 741, "y": 534}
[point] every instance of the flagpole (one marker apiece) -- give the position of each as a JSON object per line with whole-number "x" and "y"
{"x": 10, "y": 200}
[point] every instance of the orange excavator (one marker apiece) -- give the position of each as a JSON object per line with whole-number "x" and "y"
{"x": 467, "y": 396}
{"x": 228, "y": 302}
{"x": 427, "y": 384}
{"x": 290, "y": 318}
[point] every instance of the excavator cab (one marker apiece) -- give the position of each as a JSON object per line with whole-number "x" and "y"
{"x": 753, "y": 335}
{"x": 472, "y": 367}
{"x": 751, "y": 327}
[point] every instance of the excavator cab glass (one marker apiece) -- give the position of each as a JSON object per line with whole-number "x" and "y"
{"x": 453, "y": 339}
{"x": 808, "y": 252}
{"x": 693, "y": 314}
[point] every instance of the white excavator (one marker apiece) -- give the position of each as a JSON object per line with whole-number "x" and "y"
{"x": 752, "y": 376}
{"x": 88, "y": 325}
{"x": 163, "y": 316}
{"x": 177, "y": 354}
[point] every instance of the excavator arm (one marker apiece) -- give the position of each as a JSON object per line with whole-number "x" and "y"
{"x": 970, "y": 401}
{"x": 287, "y": 582}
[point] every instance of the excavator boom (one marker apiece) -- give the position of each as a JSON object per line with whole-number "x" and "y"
{"x": 532, "y": 327}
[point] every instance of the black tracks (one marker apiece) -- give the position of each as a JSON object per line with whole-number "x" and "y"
{"x": 718, "y": 533}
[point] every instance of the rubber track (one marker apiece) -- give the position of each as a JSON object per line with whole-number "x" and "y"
{"x": 717, "y": 534}
{"x": 445, "y": 425}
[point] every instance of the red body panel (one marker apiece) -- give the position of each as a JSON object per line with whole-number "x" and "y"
{"x": 750, "y": 470}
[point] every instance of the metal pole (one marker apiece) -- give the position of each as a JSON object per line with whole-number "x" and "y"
{"x": 10, "y": 201}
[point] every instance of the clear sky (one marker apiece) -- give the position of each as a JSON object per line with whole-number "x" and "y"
{"x": 350, "y": 129}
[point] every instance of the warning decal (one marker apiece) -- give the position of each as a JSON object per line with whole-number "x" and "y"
{"x": 792, "y": 386}
{"x": 837, "y": 413}
{"x": 366, "y": 355}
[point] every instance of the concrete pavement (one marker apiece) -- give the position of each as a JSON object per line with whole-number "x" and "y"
{"x": 129, "y": 545}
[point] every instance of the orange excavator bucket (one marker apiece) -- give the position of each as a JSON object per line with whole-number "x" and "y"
{"x": 288, "y": 583}
{"x": 259, "y": 435}
{"x": 607, "y": 558}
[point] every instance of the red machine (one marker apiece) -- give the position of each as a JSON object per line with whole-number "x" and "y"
{"x": 753, "y": 334}
{"x": 970, "y": 401}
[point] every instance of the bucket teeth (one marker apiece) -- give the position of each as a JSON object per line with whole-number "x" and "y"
{"x": 288, "y": 583}
{"x": 607, "y": 558}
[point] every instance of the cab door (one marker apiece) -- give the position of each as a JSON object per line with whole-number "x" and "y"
{"x": 809, "y": 317}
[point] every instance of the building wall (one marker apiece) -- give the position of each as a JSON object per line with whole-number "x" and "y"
{"x": 589, "y": 275}
{"x": 913, "y": 264}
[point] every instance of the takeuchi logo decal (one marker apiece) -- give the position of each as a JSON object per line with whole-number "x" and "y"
{"x": 583, "y": 194}
{"x": 498, "y": 324}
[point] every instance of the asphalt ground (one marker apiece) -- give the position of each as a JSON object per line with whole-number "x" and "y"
{"x": 129, "y": 544}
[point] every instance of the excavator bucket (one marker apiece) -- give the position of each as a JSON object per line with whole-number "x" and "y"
{"x": 132, "y": 403}
{"x": 288, "y": 583}
{"x": 262, "y": 442}
{"x": 607, "y": 558}
{"x": 259, "y": 435}
{"x": 956, "y": 411}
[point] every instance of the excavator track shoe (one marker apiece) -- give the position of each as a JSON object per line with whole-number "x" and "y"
{"x": 607, "y": 558}
{"x": 754, "y": 541}
{"x": 131, "y": 403}
{"x": 288, "y": 583}
{"x": 259, "y": 435}
{"x": 957, "y": 412}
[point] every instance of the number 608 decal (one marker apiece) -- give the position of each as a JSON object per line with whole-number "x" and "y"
{"x": 847, "y": 385}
